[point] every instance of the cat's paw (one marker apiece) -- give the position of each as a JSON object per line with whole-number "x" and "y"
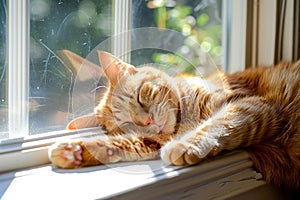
{"x": 104, "y": 151}
{"x": 78, "y": 154}
{"x": 66, "y": 155}
{"x": 180, "y": 153}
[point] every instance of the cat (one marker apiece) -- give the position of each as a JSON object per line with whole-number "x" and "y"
{"x": 150, "y": 115}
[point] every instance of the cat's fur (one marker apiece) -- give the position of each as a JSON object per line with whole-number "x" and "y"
{"x": 148, "y": 114}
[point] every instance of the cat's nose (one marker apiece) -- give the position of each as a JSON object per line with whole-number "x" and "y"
{"x": 148, "y": 120}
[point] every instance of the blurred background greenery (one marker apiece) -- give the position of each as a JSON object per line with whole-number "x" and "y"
{"x": 199, "y": 21}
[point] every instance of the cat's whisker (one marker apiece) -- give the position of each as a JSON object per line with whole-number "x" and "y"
{"x": 168, "y": 92}
{"x": 172, "y": 109}
{"x": 174, "y": 102}
{"x": 180, "y": 99}
{"x": 187, "y": 96}
{"x": 98, "y": 87}
{"x": 163, "y": 104}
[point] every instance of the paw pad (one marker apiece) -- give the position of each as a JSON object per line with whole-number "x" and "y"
{"x": 177, "y": 153}
{"x": 66, "y": 155}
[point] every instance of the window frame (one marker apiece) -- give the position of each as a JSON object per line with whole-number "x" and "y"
{"x": 14, "y": 149}
{"x": 18, "y": 57}
{"x": 121, "y": 29}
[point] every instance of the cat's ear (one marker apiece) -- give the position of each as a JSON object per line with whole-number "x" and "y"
{"x": 86, "y": 121}
{"x": 82, "y": 68}
{"x": 113, "y": 67}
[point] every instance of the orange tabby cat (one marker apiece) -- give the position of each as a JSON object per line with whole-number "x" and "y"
{"x": 148, "y": 114}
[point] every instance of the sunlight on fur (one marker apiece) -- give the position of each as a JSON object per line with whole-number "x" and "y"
{"x": 186, "y": 119}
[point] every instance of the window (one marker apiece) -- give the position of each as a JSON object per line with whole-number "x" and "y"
{"x": 49, "y": 89}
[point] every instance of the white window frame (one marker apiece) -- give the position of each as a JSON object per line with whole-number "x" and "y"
{"x": 18, "y": 70}
{"x": 121, "y": 29}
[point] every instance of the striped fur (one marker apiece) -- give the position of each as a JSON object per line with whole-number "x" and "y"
{"x": 148, "y": 114}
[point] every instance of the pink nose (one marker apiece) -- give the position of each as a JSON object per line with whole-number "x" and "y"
{"x": 148, "y": 120}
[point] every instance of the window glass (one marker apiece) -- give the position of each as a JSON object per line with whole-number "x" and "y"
{"x": 199, "y": 22}
{"x": 3, "y": 96}
{"x": 55, "y": 25}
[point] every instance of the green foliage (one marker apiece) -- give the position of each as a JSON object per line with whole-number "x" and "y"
{"x": 202, "y": 30}
{"x": 202, "y": 19}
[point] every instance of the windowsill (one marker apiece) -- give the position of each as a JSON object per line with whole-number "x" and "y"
{"x": 223, "y": 177}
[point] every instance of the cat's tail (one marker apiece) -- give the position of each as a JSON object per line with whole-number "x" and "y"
{"x": 279, "y": 167}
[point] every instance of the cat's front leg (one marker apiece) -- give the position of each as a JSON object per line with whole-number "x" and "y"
{"x": 78, "y": 153}
{"x": 239, "y": 124}
{"x": 131, "y": 147}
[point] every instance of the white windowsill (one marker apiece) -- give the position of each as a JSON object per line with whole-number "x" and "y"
{"x": 221, "y": 178}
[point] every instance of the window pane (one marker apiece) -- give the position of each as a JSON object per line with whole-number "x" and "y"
{"x": 80, "y": 26}
{"x": 3, "y": 84}
{"x": 56, "y": 25}
{"x": 197, "y": 21}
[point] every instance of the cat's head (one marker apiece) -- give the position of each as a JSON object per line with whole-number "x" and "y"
{"x": 141, "y": 99}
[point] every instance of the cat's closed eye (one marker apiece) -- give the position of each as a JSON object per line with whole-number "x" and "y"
{"x": 138, "y": 99}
